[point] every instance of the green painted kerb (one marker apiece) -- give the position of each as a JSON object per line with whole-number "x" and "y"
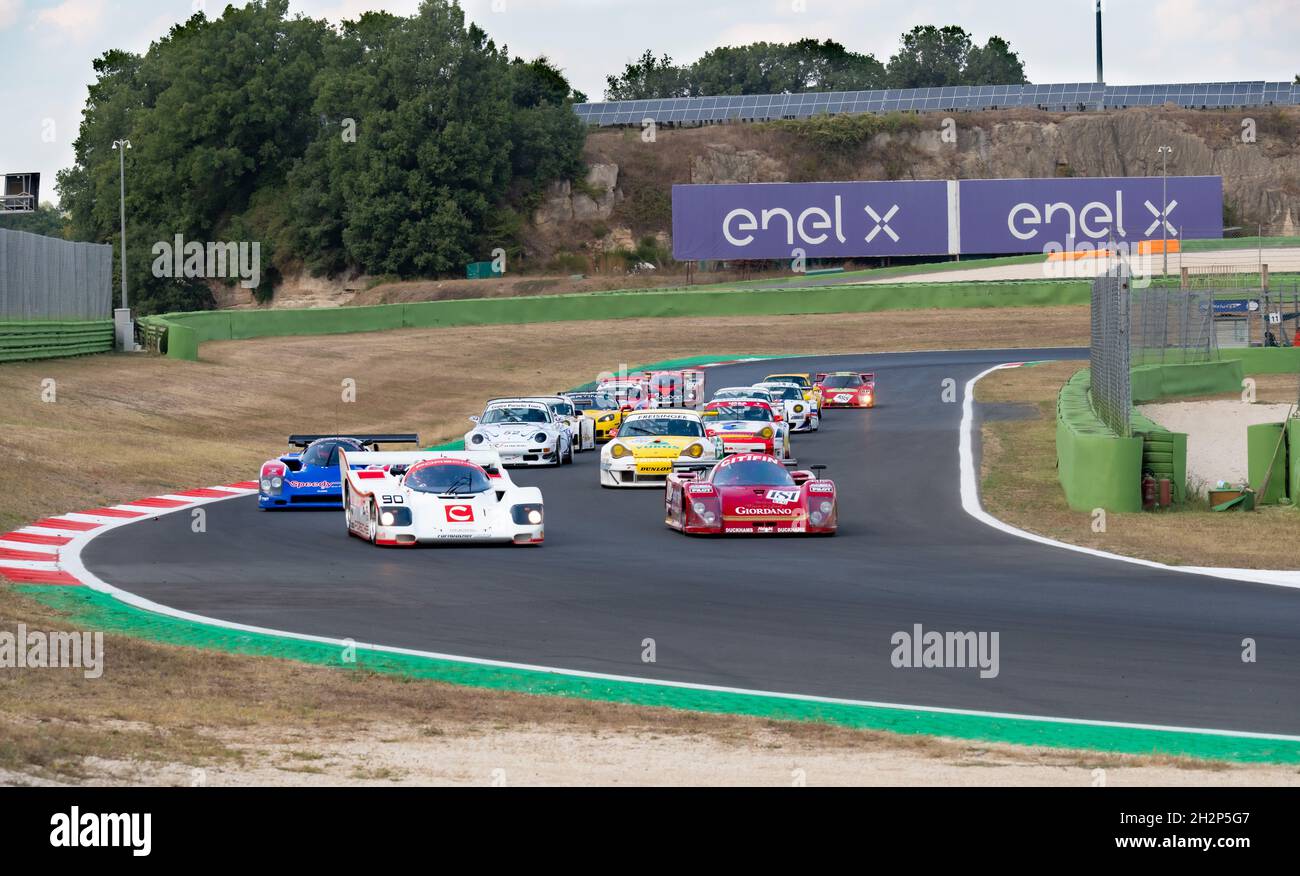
{"x": 92, "y": 609}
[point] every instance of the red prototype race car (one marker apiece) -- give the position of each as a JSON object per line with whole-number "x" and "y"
{"x": 847, "y": 389}
{"x": 749, "y": 494}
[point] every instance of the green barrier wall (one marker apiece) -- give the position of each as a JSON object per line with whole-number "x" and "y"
{"x": 1293, "y": 461}
{"x": 1151, "y": 382}
{"x": 240, "y": 324}
{"x": 1097, "y": 469}
{"x": 50, "y": 339}
{"x": 1265, "y": 459}
{"x": 1265, "y": 360}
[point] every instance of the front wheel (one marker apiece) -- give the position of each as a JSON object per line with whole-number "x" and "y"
{"x": 372, "y": 531}
{"x": 568, "y": 456}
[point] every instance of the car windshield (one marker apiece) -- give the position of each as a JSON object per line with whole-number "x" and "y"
{"x": 448, "y": 478}
{"x": 786, "y": 392}
{"x": 325, "y": 454}
{"x": 563, "y": 409}
{"x": 752, "y": 472}
{"x": 741, "y": 393}
{"x": 756, "y": 413}
{"x": 508, "y": 414}
{"x": 595, "y": 401}
{"x": 842, "y": 381}
{"x": 660, "y": 427}
{"x": 790, "y": 378}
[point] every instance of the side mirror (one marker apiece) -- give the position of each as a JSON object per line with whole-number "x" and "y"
{"x": 818, "y": 470}
{"x": 474, "y": 419}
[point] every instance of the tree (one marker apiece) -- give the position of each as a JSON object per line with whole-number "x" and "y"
{"x": 930, "y": 57}
{"x": 648, "y": 77}
{"x": 776, "y": 68}
{"x": 994, "y": 64}
{"x": 46, "y": 220}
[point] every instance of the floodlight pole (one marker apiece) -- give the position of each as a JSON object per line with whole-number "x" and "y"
{"x": 121, "y": 146}
{"x": 1165, "y": 152}
{"x": 1100, "y": 80}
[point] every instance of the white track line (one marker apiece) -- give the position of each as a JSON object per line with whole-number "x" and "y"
{"x": 970, "y": 502}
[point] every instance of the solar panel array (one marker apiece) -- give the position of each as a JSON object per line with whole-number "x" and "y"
{"x": 1075, "y": 97}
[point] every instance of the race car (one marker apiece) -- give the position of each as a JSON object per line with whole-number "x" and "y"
{"x": 848, "y": 389}
{"x": 310, "y": 478}
{"x": 801, "y": 414}
{"x": 628, "y": 392}
{"x": 750, "y": 494}
{"x": 605, "y": 411}
{"x": 744, "y": 392}
{"x": 436, "y": 497}
{"x": 580, "y": 425}
{"x": 811, "y": 392}
{"x": 747, "y": 426}
{"x": 524, "y": 431}
{"x": 674, "y": 389}
{"x": 647, "y": 444}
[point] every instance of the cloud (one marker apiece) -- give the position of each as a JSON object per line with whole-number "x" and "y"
{"x": 77, "y": 19}
{"x": 9, "y": 12}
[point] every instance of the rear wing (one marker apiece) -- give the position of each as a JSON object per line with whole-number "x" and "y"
{"x": 360, "y": 468}
{"x": 363, "y": 437}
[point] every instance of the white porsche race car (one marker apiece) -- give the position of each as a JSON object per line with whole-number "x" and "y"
{"x": 802, "y": 414}
{"x": 582, "y": 426}
{"x": 524, "y": 431}
{"x": 437, "y": 497}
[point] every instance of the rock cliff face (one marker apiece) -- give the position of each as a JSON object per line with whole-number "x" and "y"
{"x": 1261, "y": 178}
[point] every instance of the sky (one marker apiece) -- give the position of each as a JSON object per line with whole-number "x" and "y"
{"x": 49, "y": 44}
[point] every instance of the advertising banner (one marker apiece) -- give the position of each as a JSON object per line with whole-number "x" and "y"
{"x": 822, "y": 220}
{"x": 1032, "y": 215}
{"x": 938, "y": 217}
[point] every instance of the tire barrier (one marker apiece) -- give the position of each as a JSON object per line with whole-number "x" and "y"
{"x": 1096, "y": 467}
{"x": 50, "y": 339}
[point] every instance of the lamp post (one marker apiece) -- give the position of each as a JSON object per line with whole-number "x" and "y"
{"x": 121, "y": 146}
{"x": 1165, "y": 152}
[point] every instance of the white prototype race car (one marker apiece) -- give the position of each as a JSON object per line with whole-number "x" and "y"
{"x": 580, "y": 425}
{"x": 801, "y": 414}
{"x": 436, "y": 497}
{"x": 524, "y": 431}
{"x": 745, "y": 393}
{"x": 648, "y": 444}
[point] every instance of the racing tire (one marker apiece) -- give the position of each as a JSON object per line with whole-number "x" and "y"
{"x": 568, "y": 455}
{"x": 372, "y": 531}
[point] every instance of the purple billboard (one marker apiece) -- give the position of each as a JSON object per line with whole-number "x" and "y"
{"x": 1030, "y": 215}
{"x": 821, "y": 220}
{"x": 937, "y": 217}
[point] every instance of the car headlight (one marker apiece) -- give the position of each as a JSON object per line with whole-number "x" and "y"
{"x": 798, "y": 409}
{"x": 618, "y": 451}
{"x": 387, "y": 518}
{"x": 825, "y": 507}
{"x": 276, "y": 483}
{"x": 767, "y": 432}
{"x": 395, "y": 516}
{"x": 266, "y": 484}
{"x": 608, "y": 418}
{"x": 527, "y": 515}
{"x": 540, "y": 437}
{"x": 816, "y": 518}
{"x": 477, "y": 438}
{"x": 695, "y": 451}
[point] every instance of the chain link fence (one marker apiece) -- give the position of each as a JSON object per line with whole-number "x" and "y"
{"x": 1112, "y": 387}
{"x": 1172, "y": 326}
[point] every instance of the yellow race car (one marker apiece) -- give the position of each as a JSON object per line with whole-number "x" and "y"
{"x": 811, "y": 391}
{"x": 601, "y": 407}
{"x": 650, "y": 443}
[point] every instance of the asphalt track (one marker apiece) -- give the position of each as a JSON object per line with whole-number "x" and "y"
{"x": 1080, "y": 636}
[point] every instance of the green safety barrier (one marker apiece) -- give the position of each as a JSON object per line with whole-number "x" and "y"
{"x": 1267, "y": 460}
{"x": 48, "y": 339}
{"x": 1265, "y": 360}
{"x": 242, "y": 324}
{"x": 1151, "y": 382}
{"x": 1293, "y": 461}
{"x": 1164, "y": 453}
{"x": 1096, "y": 467}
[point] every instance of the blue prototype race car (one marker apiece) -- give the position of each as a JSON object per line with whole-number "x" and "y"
{"x": 310, "y": 478}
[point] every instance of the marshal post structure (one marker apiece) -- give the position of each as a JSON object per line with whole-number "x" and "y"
{"x": 938, "y": 217}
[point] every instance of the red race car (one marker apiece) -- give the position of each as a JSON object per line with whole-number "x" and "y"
{"x": 749, "y": 494}
{"x": 847, "y": 389}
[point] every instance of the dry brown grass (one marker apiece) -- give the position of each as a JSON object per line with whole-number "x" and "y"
{"x": 1020, "y": 487}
